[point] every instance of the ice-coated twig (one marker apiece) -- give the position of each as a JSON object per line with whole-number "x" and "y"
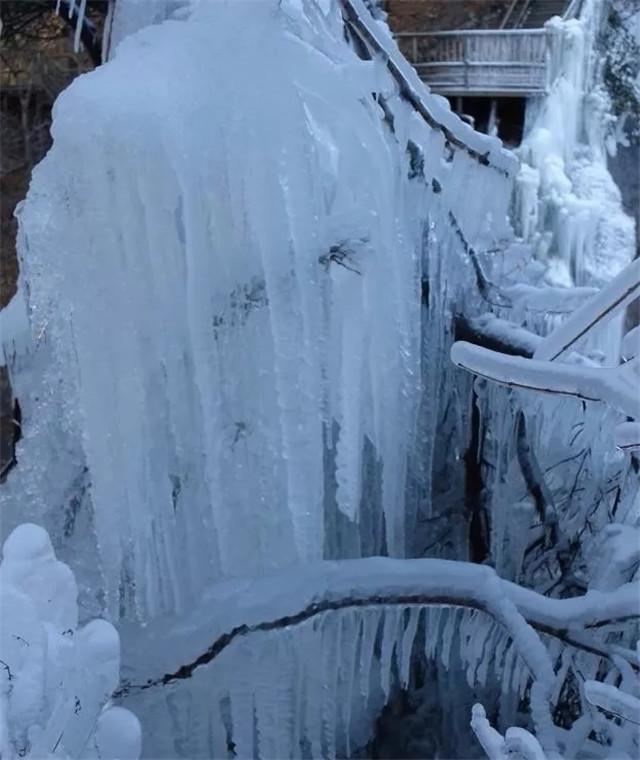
{"x": 281, "y": 601}
{"x": 611, "y": 300}
{"x": 615, "y": 385}
{"x": 612, "y": 700}
{"x": 627, "y": 436}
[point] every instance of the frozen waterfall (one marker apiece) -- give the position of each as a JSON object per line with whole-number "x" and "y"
{"x": 236, "y": 338}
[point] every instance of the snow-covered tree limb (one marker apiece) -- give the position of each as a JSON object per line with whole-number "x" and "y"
{"x": 611, "y": 300}
{"x": 615, "y": 385}
{"x": 612, "y": 700}
{"x": 280, "y": 601}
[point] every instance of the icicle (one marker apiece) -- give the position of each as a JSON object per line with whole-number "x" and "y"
{"x": 448, "y": 634}
{"x": 314, "y": 687}
{"x": 271, "y": 681}
{"x": 217, "y": 732}
{"x": 433, "y": 620}
{"x": 286, "y": 709}
{"x": 241, "y": 700}
{"x": 351, "y": 642}
{"x": 330, "y": 659}
{"x": 523, "y": 677}
{"x": 106, "y": 33}
{"x": 389, "y": 639}
{"x": 79, "y": 25}
{"x": 57, "y": 7}
{"x": 370, "y": 625}
{"x": 499, "y": 656}
{"x": 485, "y": 656}
{"x": 408, "y": 638}
{"x": 72, "y": 8}
{"x": 510, "y": 662}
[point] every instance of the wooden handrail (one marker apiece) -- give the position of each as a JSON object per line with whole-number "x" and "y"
{"x": 475, "y": 33}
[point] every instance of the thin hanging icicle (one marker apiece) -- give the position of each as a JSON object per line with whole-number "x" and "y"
{"x": 266, "y": 680}
{"x": 482, "y": 665}
{"x": 509, "y": 666}
{"x": 314, "y": 687}
{"x": 370, "y": 624}
{"x": 504, "y": 642}
{"x": 241, "y": 700}
{"x": 330, "y": 657}
{"x": 389, "y": 640}
{"x": 79, "y": 24}
{"x": 447, "y": 636}
{"x": 406, "y": 647}
{"x": 352, "y": 641}
{"x": 217, "y": 732}
{"x": 433, "y": 622}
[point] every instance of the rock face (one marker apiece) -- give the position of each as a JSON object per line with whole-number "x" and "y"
{"x": 437, "y": 15}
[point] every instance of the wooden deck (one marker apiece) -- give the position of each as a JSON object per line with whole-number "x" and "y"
{"x": 500, "y": 62}
{"x": 507, "y": 62}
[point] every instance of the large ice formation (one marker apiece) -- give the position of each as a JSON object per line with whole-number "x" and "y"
{"x": 233, "y": 343}
{"x": 241, "y": 281}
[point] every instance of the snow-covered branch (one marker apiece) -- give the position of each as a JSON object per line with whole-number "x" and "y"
{"x": 283, "y": 600}
{"x": 613, "y": 700}
{"x": 611, "y": 300}
{"x": 615, "y": 385}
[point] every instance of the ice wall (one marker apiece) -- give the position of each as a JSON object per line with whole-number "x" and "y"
{"x": 567, "y": 204}
{"x": 232, "y": 271}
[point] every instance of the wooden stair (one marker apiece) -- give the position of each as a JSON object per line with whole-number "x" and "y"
{"x": 532, "y": 14}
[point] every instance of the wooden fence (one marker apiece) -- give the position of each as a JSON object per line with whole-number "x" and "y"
{"x": 485, "y": 62}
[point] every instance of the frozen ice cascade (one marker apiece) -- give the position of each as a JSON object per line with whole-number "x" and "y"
{"x": 236, "y": 338}
{"x": 567, "y": 205}
{"x": 240, "y": 282}
{"x": 230, "y": 359}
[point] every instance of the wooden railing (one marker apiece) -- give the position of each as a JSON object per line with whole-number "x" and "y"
{"x": 502, "y": 61}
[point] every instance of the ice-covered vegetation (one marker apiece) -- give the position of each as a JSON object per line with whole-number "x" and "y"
{"x": 56, "y": 678}
{"x": 244, "y": 278}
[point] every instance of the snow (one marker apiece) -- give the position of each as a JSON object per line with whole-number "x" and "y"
{"x": 616, "y": 386}
{"x": 56, "y": 678}
{"x": 613, "y": 700}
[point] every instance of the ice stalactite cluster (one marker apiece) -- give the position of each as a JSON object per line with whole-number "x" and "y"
{"x": 319, "y": 654}
{"x": 56, "y": 678}
{"x": 234, "y": 344}
{"x": 315, "y": 689}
